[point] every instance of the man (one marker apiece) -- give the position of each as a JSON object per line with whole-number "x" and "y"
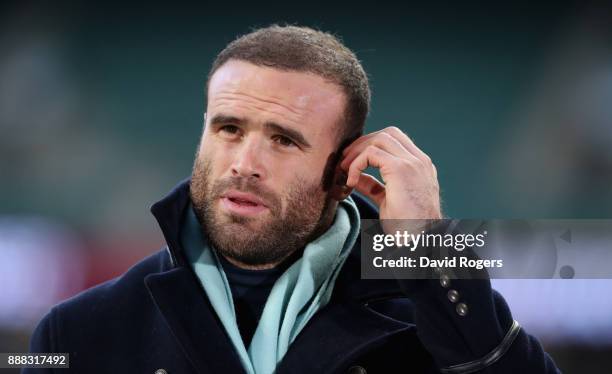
{"x": 261, "y": 273}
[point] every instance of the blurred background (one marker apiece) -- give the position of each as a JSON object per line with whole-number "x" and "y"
{"x": 101, "y": 111}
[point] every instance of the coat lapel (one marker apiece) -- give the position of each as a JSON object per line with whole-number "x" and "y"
{"x": 336, "y": 335}
{"x": 192, "y": 321}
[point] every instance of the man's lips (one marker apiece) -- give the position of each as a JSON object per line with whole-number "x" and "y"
{"x": 243, "y": 197}
{"x": 242, "y": 203}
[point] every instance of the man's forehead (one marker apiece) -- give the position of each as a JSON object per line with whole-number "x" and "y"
{"x": 295, "y": 91}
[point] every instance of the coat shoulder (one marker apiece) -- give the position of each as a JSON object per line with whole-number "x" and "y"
{"x": 118, "y": 295}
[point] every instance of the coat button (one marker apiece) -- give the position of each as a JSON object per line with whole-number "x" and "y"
{"x": 462, "y": 309}
{"x": 357, "y": 370}
{"x": 444, "y": 281}
{"x": 161, "y": 371}
{"x": 453, "y": 296}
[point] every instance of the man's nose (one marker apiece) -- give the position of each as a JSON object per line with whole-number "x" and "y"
{"x": 248, "y": 160}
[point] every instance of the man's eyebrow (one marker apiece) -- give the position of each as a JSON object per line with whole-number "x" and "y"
{"x": 222, "y": 119}
{"x": 288, "y": 132}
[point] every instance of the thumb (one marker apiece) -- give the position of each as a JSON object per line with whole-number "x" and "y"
{"x": 371, "y": 188}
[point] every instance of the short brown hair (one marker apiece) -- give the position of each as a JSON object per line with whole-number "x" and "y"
{"x": 307, "y": 50}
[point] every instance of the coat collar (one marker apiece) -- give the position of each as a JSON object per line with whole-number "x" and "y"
{"x": 347, "y": 320}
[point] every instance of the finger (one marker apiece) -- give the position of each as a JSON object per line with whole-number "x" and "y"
{"x": 407, "y": 143}
{"x": 399, "y": 136}
{"x": 371, "y": 156}
{"x": 371, "y": 188}
{"x": 381, "y": 140}
{"x": 359, "y": 140}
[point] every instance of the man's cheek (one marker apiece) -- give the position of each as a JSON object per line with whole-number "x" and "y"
{"x": 279, "y": 208}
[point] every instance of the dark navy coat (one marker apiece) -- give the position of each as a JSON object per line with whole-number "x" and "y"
{"x": 156, "y": 316}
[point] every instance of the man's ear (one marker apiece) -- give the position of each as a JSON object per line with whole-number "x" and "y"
{"x": 337, "y": 183}
{"x": 339, "y": 190}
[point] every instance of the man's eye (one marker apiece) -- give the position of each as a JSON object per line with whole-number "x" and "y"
{"x": 284, "y": 141}
{"x": 231, "y": 129}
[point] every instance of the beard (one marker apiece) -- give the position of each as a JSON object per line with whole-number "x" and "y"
{"x": 267, "y": 239}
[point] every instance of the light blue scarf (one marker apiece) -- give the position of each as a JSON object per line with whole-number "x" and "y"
{"x": 303, "y": 289}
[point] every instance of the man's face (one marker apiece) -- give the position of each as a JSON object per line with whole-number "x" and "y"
{"x": 257, "y": 178}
